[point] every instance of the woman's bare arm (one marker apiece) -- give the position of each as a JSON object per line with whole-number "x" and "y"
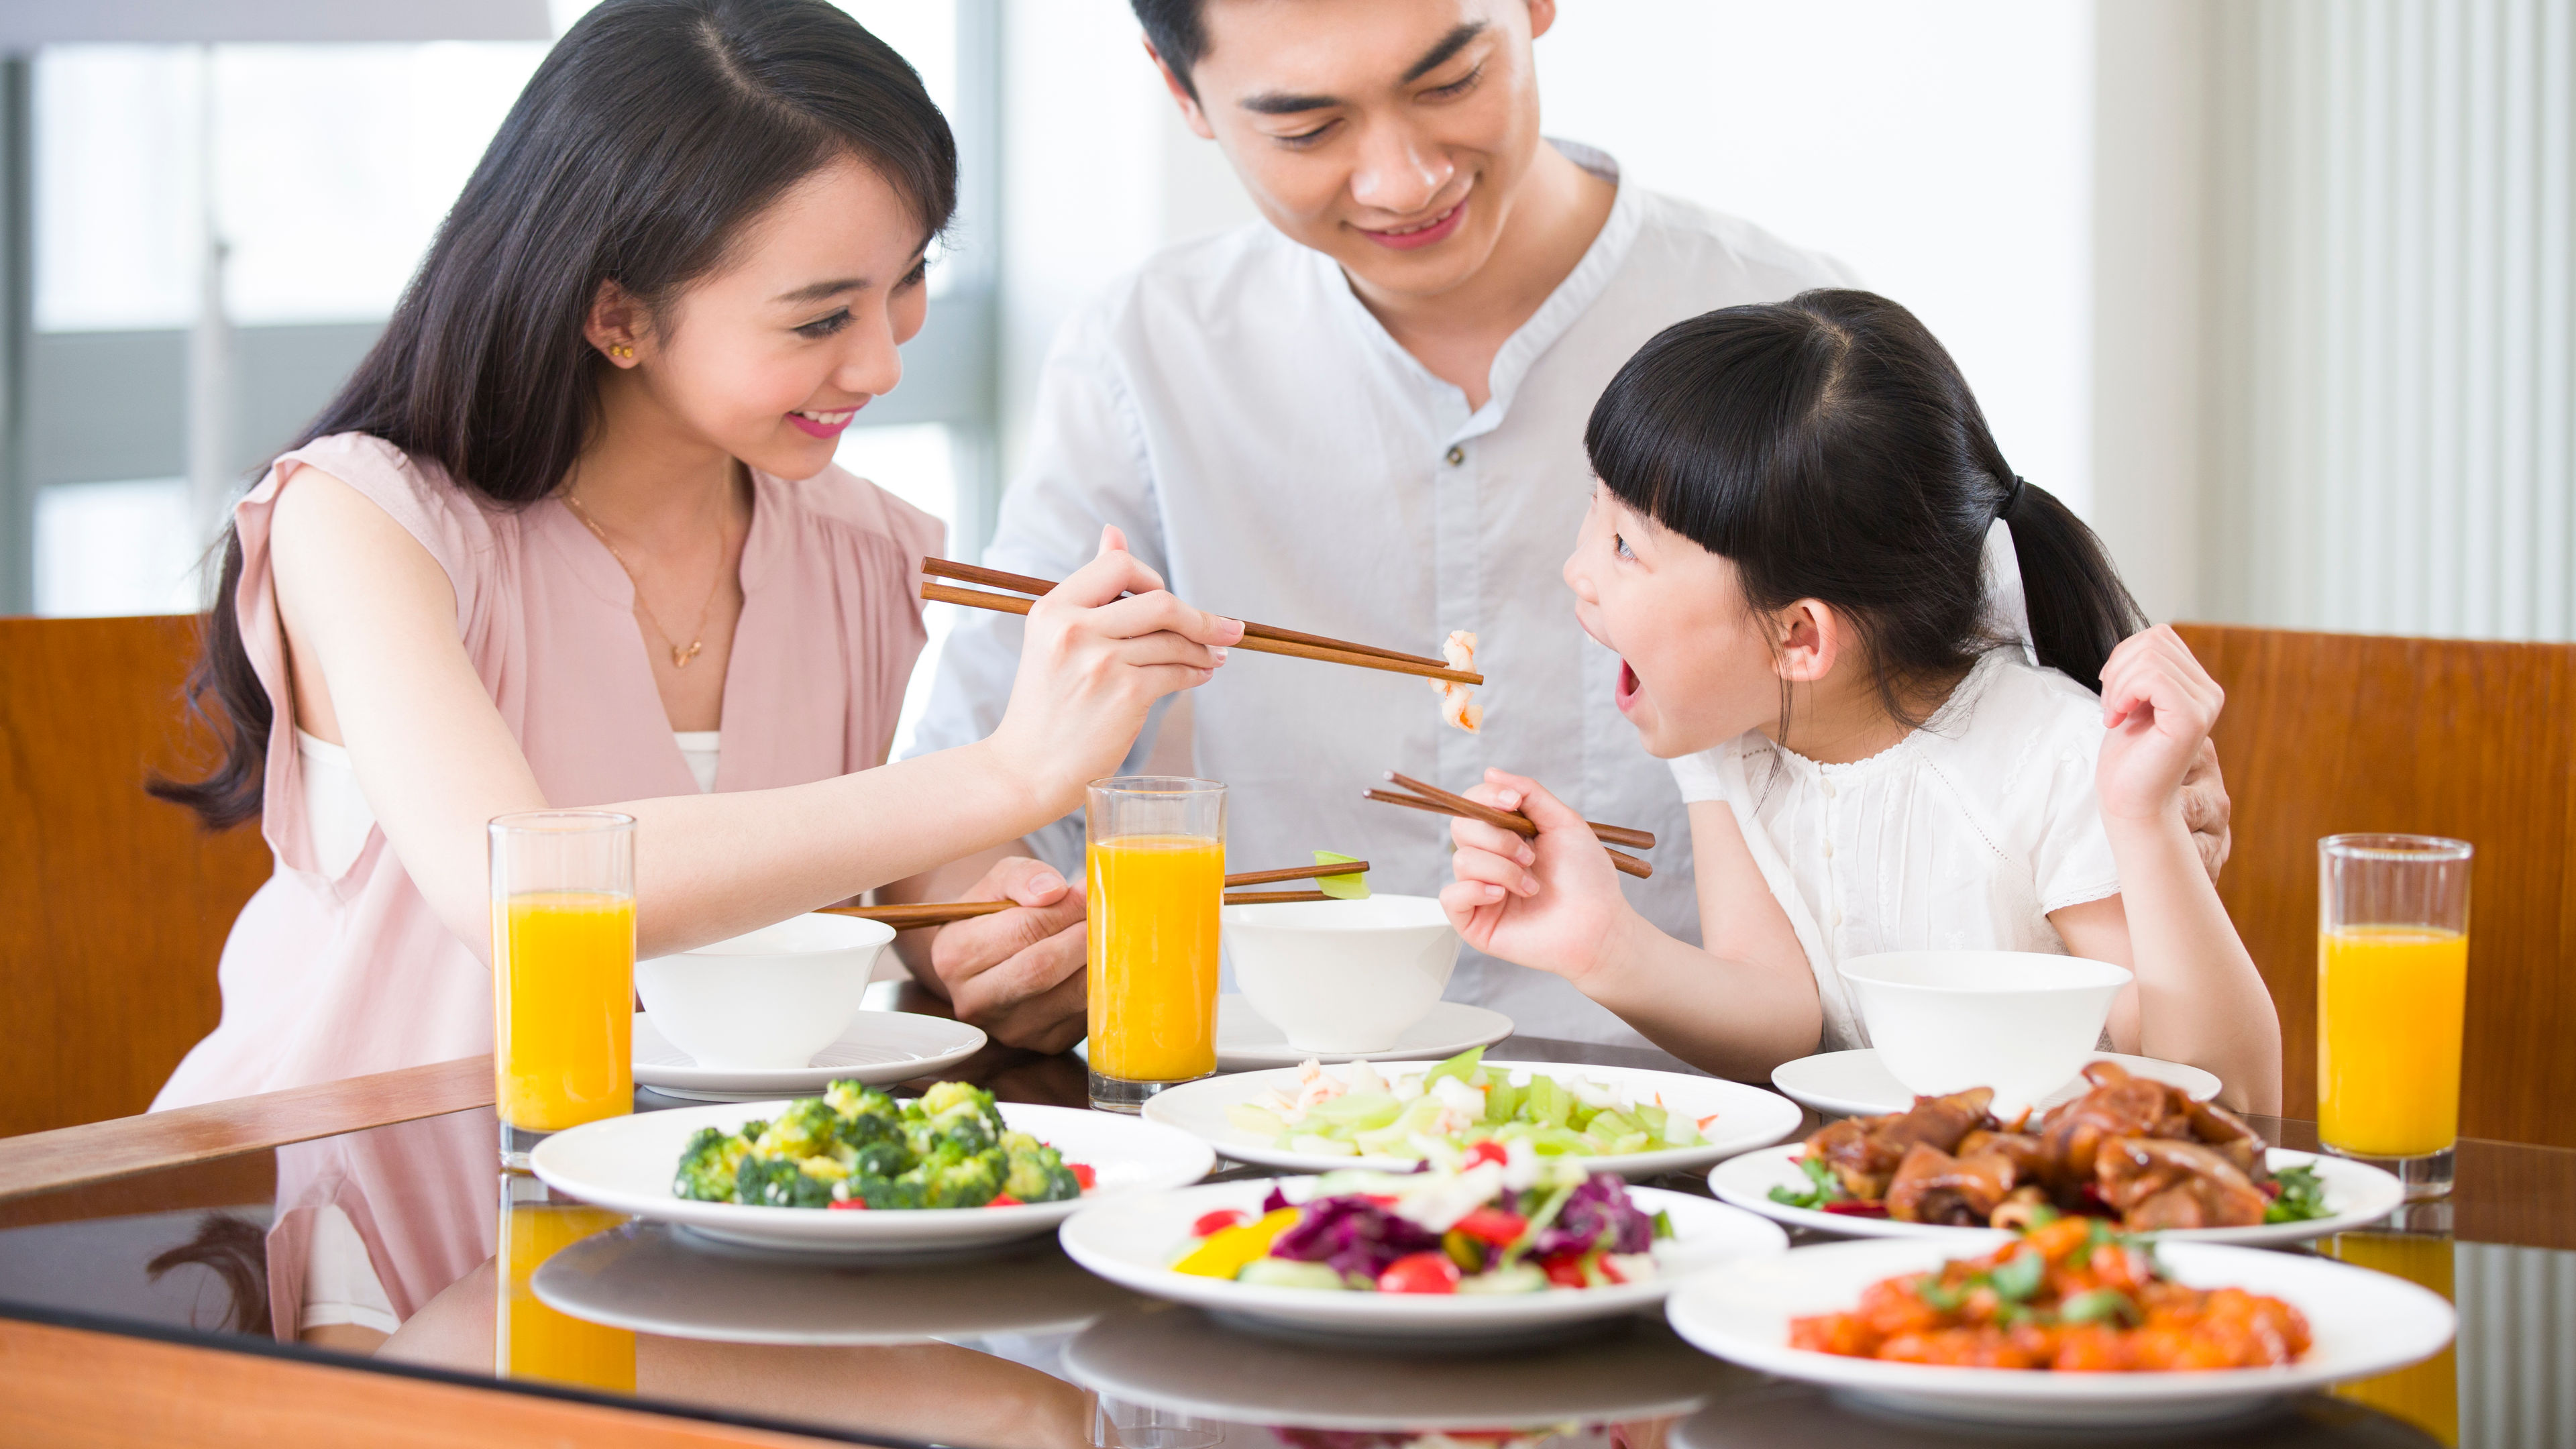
{"x": 371, "y": 627}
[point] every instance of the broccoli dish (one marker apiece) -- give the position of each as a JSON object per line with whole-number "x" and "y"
{"x": 855, "y": 1147}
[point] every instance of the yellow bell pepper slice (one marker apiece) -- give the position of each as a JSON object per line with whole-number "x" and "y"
{"x": 1223, "y": 1253}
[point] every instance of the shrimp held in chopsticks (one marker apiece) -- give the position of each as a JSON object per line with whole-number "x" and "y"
{"x": 1458, "y": 706}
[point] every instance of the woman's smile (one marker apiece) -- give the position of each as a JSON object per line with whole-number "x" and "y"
{"x": 820, "y": 424}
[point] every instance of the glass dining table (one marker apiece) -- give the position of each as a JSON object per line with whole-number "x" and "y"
{"x": 491, "y": 1280}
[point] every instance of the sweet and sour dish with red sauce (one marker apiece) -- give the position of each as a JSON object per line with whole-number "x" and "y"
{"x": 2132, "y": 1149}
{"x": 2072, "y": 1295}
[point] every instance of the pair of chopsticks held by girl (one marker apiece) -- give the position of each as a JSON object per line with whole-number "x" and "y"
{"x": 1908, "y": 699}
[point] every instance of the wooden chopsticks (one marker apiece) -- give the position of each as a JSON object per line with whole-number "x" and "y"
{"x": 1443, "y": 802}
{"x": 940, "y": 913}
{"x": 1257, "y": 638}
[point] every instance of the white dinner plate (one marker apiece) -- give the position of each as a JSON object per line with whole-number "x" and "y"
{"x": 879, "y": 1048}
{"x": 626, "y": 1164}
{"x": 1245, "y": 1042}
{"x": 1745, "y": 1117}
{"x": 1179, "y": 1361}
{"x": 1131, "y": 1242}
{"x": 2357, "y": 1195}
{"x": 653, "y": 1278}
{"x": 1857, "y": 1084}
{"x": 2363, "y": 1323}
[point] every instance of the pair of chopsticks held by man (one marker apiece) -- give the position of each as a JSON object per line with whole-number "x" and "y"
{"x": 1750, "y": 571}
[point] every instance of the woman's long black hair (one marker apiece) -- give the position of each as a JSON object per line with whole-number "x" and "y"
{"x": 1828, "y": 446}
{"x": 651, "y": 134}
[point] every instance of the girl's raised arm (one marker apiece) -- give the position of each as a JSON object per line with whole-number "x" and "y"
{"x": 2198, "y": 997}
{"x": 370, "y": 620}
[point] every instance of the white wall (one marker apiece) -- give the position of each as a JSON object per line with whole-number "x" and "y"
{"x": 1097, "y": 174}
{"x": 1942, "y": 150}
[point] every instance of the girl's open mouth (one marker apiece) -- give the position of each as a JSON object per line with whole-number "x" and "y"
{"x": 1629, "y": 688}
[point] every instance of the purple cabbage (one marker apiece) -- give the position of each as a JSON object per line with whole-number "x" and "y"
{"x": 1274, "y": 1202}
{"x": 1352, "y": 1235}
{"x": 1597, "y": 1213}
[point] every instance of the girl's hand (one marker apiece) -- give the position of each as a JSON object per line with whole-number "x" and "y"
{"x": 2159, "y": 705}
{"x": 1552, "y": 902}
{"x": 1092, "y": 663}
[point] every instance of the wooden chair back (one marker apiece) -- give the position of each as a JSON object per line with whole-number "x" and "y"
{"x": 113, "y": 905}
{"x": 2330, "y": 733}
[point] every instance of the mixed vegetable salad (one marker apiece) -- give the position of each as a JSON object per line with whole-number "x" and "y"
{"x": 1507, "y": 1221}
{"x": 855, "y": 1147}
{"x": 1437, "y": 1114}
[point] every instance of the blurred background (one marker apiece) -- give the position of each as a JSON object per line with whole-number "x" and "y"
{"x": 2280, "y": 293}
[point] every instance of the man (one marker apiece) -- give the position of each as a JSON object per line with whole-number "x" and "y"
{"x": 1362, "y": 418}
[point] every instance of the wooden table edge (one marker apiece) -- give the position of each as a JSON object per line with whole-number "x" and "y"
{"x": 96, "y": 1152}
{"x": 76, "y": 1384}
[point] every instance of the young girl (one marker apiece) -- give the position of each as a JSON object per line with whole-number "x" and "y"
{"x": 571, "y": 536}
{"x": 1813, "y": 562}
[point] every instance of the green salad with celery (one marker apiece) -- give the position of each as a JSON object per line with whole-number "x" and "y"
{"x": 1434, "y": 1115}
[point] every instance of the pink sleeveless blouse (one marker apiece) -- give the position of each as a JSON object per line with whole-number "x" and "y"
{"x": 333, "y": 976}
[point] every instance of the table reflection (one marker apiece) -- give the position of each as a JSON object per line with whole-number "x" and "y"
{"x": 489, "y": 1273}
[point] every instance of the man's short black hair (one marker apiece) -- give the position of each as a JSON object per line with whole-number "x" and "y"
{"x": 1178, "y": 29}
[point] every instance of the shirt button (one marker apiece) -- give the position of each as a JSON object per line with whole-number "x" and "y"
{"x": 1829, "y": 789}
{"x": 1829, "y": 850}
{"x": 1457, "y": 456}
{"x": 1838, "y": 920}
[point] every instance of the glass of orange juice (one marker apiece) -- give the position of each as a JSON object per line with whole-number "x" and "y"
{"x": 1156, "y": 879}
{"x": 2392, "y": 995}
{"x": 563, "y": 972}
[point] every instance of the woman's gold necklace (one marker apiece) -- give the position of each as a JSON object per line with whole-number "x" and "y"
{"x": 680, "y": 656}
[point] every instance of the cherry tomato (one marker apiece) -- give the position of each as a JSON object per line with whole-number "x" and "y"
{"x": 1219, "y": 1221}
{"x": 1004, "y": 1199}
{"x": 1083, "y": 1176}
{"x": 1419, "y": 1273}
{"x": 1487, "y": 1151}
{"x": 1565, "y": 1269}
{"x": 1495, "y": 1226}
{"x": 850, "y": 1204}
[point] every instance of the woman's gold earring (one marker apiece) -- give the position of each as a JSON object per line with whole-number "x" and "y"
{"x": 620, "y": 350}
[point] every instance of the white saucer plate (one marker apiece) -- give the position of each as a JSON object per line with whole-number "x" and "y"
{"x": 2363, "y": 1322}
{"x": 1130, "y": 1242}
{"x": 626, "y": 1164}
{"x": 1857, "y": 1084}
{"x": 2357, "y": 1195}
{"x": 879, "y": 1048}
{"x": 1745, "y": 1117}
{"x": 1245, "y": 1042}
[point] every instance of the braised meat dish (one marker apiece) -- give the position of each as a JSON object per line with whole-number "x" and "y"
{"x": 2131, "y": 1148}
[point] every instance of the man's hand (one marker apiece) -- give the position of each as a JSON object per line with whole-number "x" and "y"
{"x": 1018, "y": 973}
{"x": 2206, "y": 808}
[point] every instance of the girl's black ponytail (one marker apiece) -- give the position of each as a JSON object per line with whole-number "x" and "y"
{"x": 2079, "y": 609}
{"x": 1830, "y": 448}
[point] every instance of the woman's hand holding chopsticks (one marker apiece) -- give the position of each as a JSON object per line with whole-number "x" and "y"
{"x": 1092, "y": 663}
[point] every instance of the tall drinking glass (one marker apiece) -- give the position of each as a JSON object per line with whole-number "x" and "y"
{"x": 2392, "y": 994}
{"x": 563, "y": 972}
{"x": 1156, "y": 881}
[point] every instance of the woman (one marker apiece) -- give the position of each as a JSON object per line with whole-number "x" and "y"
{"x": 571, "y": 536}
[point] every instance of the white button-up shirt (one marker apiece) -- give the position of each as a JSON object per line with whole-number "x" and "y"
{"x": 1276, "y": 456}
